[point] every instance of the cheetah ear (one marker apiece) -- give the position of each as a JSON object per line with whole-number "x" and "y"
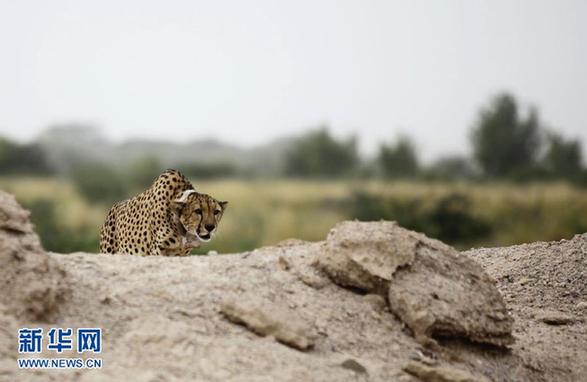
{"x": 184, "y": 196}
{"x": 179, "y": 202}
{"x": 223, "y": 205}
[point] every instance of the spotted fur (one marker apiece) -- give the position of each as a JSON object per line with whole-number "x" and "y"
{"x": 168, "y": 219}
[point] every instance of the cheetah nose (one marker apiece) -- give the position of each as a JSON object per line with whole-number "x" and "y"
{"x": 210, "y": 227}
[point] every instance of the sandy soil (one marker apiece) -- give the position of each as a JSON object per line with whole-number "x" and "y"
{"x": 272, "y": 314}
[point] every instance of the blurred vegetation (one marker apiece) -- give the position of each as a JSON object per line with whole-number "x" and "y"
{"x": 22, "y": 159}
{"x": 504, "y": 143}
{"x": 507, "y": 144}
{"x": 99, "y": 183}
{"x": 450, "y": 218}
{"x": 319, "y": 155}
{"x": 522, "y": 182}
{"x": 563, "y": 158}
{"x": 264, "y": 212}
{"x": 55, "y": 236}
{"x": 209, "y": 170}
{"x": 142, "y": 171}
{"x": 399, "y": 160}
{"x": 64, "y": 219}
{"x": 451, "y": 168}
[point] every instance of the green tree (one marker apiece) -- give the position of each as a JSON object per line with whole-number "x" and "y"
{"x": 504, "y": 143}
{"x": 318, "y": 154}
{"x": 399, "y": 160}
{"x": 563, "y": 157}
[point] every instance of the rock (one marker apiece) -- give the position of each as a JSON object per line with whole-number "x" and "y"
{"x": 353, "y": 365}
{"x": 312, "y": 280}
{"x": 16, "y": 229}
{"x": 524, "y": 280}
{"x": 291, "y": 243}
{"x": 283, "y": 263}
{"x": 582, "y": 305}
{"x": 422, "y": 358}
{"x": 270, "y": 320}
{"x": 32, "y": 284}
{"x": 145, "y": 337}
{"x": 16, "y": 220}
{"x": 432, "y": 288}
{"x": 376, "y": 301}
{"x": 365, "y": 255}
{"x": 445, "y": 294}
{"x": 441, "y": 373}
{"x": 555, "y": 318}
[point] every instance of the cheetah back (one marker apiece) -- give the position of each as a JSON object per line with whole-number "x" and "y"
{"x": 139, "y": 225}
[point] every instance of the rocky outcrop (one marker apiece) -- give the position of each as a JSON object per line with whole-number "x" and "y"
{"x": 431, "y": 287}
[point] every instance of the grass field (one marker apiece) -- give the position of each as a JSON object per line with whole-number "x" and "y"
{"x": 266, "y": 212}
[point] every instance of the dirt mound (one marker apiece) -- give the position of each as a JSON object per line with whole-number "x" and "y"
{"x": 272, "y": 314}
{"x": 33, "y": 285}
{"x": 547, "y": 274}
{"x": 545, "y": 287}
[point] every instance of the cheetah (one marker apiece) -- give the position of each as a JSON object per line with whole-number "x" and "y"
{"x": 168, "y": 219}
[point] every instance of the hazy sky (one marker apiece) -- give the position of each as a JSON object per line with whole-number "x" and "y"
{"x": 249, "y": 71}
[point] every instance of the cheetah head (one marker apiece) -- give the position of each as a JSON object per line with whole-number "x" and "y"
{"x": 199, "y": 214}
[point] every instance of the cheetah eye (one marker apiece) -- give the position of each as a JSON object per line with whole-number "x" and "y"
{"x": 216, "y": 212}
{"x": 198, "y": 211}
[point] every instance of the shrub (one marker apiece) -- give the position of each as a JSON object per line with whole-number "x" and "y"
{"x": 448, "y": 218}
{"x": 54, "y": 237}
{"x": 98, "y": 183}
